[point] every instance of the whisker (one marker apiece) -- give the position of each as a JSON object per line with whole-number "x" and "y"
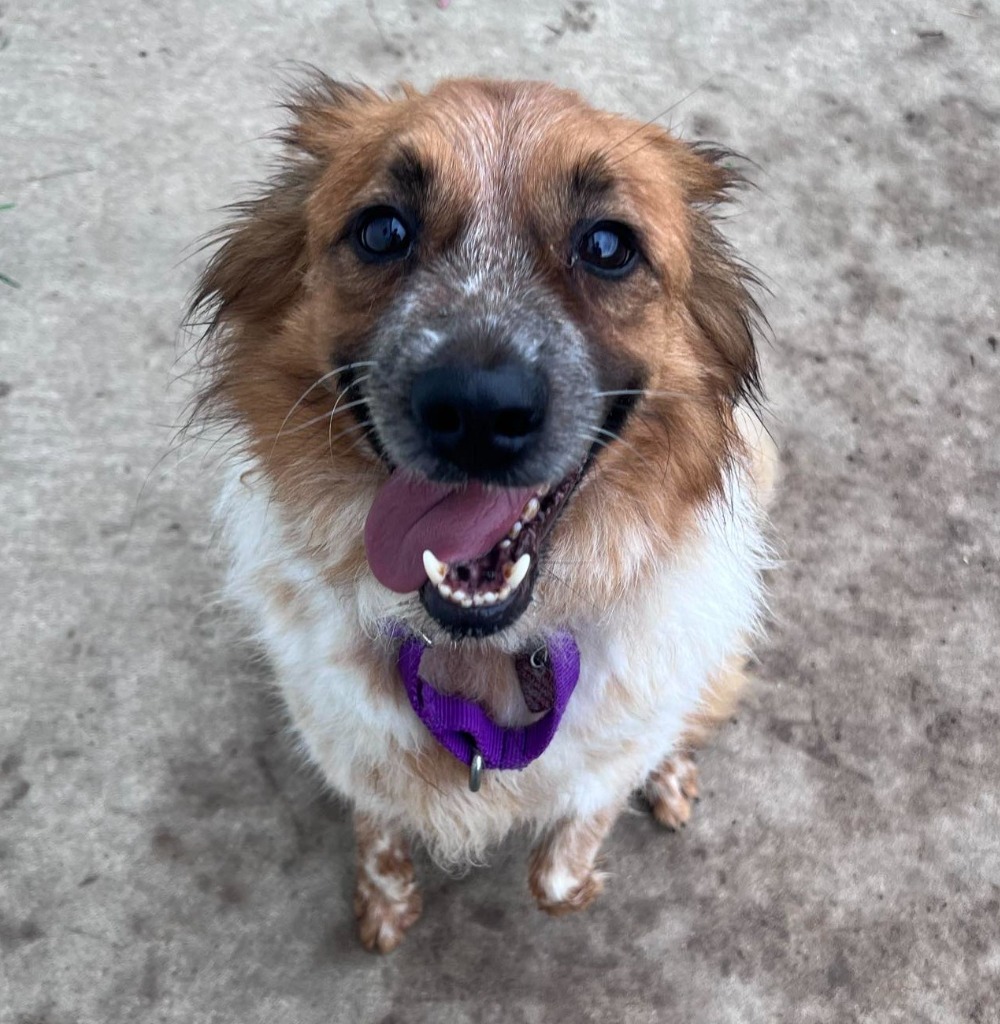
{"x": 682, "y": 396}
{"x": 547, "y": 571}
{"x": 316, "y": 384}
{"x": 362, "y": 426}
{"x": 621, "y": 440}
{"x": 353, "y": 383}
{"x": 362, "y": 438}
{"x": 652, "y": 121}
{"x": 614, "y": 438}
{"x": 330, "y": 414}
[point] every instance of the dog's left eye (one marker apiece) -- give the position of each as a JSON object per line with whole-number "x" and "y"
{"x": 382, "y": 234}
{"x": 608, "y": 249}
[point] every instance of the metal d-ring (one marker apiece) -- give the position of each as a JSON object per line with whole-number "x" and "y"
{"x": 538, "y": 658}
{"x": 476, "y": 771}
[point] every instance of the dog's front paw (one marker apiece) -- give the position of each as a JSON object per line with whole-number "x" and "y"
{"x": 384, "y": 913}
{"x": 559, "y": 893}
{"x": 672, "y": 790}
{"x": 562, "y": 874}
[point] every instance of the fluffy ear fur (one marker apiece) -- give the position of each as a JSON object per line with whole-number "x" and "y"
{"x": 258, "y": 270}
{"x": 250, "y": 282}
{"x": 724, "y": 311}
{"x": 260, "y": 265}
{"x": 319, "y": 108}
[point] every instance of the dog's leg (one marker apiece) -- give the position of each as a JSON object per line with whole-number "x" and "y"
{"x": 386, "y": 898}
{"x": 562, "y": 873}
{"x": 672, "y": 788}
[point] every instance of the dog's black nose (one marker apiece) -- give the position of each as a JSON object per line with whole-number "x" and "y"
{"x": 482, "y": 421}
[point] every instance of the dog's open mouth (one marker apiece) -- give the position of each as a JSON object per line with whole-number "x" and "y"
{"x": 471, "y": 552}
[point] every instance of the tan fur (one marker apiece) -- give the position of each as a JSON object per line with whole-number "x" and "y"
{"x": 562, "y": 874}
{"x": 287, "y": 306}
{"x": 672, "y": 789}
{"x": 292, "y": 310}
{"x": 386, "y": 899}
{"x": 718, "y": 702}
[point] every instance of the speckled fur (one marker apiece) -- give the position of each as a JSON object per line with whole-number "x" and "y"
{"x": 655, "y": 563}
{"x": 663, "y": 642}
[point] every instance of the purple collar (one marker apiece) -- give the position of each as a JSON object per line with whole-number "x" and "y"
{"x": 464, "y": 728}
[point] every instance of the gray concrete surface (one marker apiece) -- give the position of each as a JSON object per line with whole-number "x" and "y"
{"x": 162, "y": 855}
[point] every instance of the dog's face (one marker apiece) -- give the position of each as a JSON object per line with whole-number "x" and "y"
{"x": 501, "y": 320}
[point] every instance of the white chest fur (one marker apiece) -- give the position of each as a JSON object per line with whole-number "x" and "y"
{"x": 644, "y": 667}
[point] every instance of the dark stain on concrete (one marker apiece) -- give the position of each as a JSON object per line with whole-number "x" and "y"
{"x": 839, "y": 974}
{"x": 165, "y": 845}
{"x": 14, "y": 934}
{"x": 578, "y": 16}
{"x": 13, "y": 786}
{"x": 149, "y": 980}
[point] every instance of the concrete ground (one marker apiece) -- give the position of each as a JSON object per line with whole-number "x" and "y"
{"x": 162, "y": 855}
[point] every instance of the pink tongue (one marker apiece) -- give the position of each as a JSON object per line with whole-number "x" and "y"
{"x": 410, "y": 516}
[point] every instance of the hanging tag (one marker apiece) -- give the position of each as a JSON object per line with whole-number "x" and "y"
{"x": 537, "y": 680}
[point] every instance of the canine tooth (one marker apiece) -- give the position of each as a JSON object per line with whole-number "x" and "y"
{"x": 514, "y": 574}
{"x": 515, "y": 530}
{"x": 444, "y": 590}
{"x": 530, "y": 510}
{"x": 436, "y": 569}
{"x": 489, "y": 597}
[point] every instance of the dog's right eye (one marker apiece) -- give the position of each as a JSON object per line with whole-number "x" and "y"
{"x": 382, "y": 234}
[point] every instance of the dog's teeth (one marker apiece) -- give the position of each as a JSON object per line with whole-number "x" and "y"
{"x": 503, "y": 593}
{"x": 444, "y": 590}
{"x": 505, "y": 543}
{"x": 543, "y": 490}
{"x": 477, "y": 599}
{"x": 436, "y": 569}
{"x": 489, "y": 597}
{"x": 530, "y": 510}
{"x": 515, "y": 530}
{"x": 467, "y": 603}
{"x": 459, "y": 596}
{"x": 514, "y": 574}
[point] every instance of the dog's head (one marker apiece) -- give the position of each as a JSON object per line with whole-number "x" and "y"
{"x": 498, "y": 322}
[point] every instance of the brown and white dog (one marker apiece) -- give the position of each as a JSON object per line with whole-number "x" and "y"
{"x": 488, "y": 363}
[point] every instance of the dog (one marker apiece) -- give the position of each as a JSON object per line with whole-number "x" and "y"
{"x": 496, "y": 501}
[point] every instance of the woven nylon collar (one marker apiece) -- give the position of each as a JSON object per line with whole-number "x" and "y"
{"x": 464, "y": 728}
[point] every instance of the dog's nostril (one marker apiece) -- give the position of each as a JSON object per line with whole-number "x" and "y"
{"x": 442, "y": 418}
{"x": 515, "y": 423}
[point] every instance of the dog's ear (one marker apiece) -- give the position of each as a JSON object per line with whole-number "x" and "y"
{"x": 258, "y": 269}
{"x": 321, "y": 109}
{"x": 260, "y": 265}
{"x": 720, "y": 300}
